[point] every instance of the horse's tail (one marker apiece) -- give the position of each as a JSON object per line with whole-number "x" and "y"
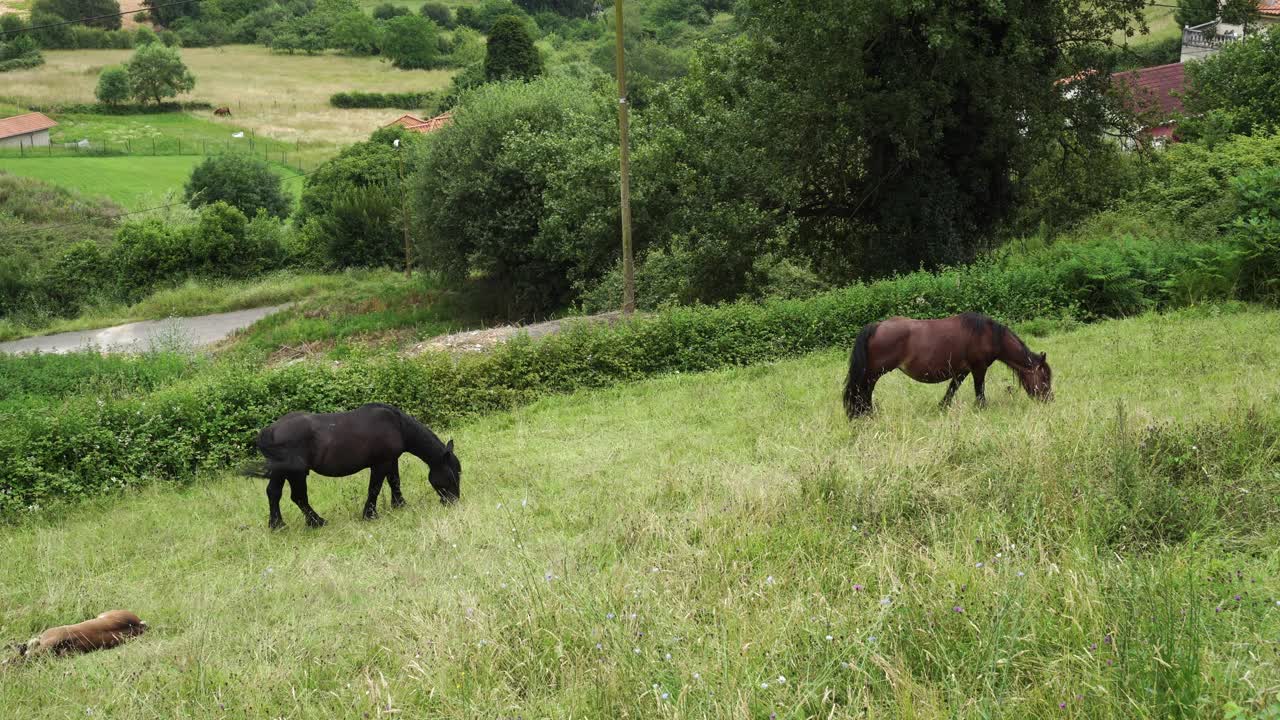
{"x": 260, "y": 469}
{"x": 254, "y": 470}
{"x": 857, "y": 391}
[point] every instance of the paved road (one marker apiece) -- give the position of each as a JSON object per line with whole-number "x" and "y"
{"x": 140, "y": 336}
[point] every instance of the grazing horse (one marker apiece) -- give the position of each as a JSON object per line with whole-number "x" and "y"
{"x": 931, "y": 351}
{"x": 105, "y": 631}
{"x": 338, "y": 444}
{"x": 224, "y": 110}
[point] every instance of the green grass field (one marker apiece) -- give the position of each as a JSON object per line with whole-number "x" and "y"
{"x": 725, "y": 545}
{"x": 135, "y": 182}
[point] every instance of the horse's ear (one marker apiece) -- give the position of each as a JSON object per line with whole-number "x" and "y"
{"x": 449, "y": 447}
{"x": 1043, "y": 356}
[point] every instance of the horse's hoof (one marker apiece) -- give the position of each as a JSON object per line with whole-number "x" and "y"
{"x": 397, "y": 503}
{"x": 370, "y": 514}
{"x": 276, "y": 525}
{"x": 317, "y": 522}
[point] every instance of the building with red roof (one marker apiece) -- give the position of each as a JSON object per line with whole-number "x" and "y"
{"x": 30, "y": 130}
{"x": 409, "y": 122}
{"x": 1154, "y": 95}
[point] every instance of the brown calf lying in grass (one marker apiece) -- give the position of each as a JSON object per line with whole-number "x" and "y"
{"x": 105, "y": 631}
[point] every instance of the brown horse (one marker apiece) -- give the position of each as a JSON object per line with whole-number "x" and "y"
{"x": 932, "y": 351}
{"x": 222, "y": 111}
{"x": 105, "y": 631}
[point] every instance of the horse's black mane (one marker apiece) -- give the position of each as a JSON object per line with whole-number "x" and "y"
{"x": 978, "y": 323}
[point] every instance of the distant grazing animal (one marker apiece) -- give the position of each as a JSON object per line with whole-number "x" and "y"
{"x": 931, "y": 351}
{"x": 222, "y": 111}
{"x": 105, "y": 631}
{"x": 338, "y": 444}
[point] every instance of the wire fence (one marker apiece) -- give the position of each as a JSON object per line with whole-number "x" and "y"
{"x": 297, "y": 157}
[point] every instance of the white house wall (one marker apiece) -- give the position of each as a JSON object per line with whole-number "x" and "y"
{"x": 36, "y": 139}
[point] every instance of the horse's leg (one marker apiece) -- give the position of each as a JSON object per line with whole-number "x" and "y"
{"x": 275, "y": 488}
{"x": 951, "y": 389}
{"x": 979, "y": 385}
{"x": 393, "y": 479}
{"x": 376, "y": 474}
{"x": 298, "y": 493}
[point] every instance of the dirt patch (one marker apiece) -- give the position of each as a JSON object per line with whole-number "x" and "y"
{"x": 486, "y": 339}
{"x": 290, "y": 354}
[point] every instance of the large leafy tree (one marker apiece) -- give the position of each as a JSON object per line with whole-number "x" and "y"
{"x": 157, "y": 72}
{"x": 511, "y": 54}
{"x": 880, "y": 135}
{"x": 410, "y": 41}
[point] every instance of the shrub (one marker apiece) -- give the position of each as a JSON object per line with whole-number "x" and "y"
{"x": 362, "y": 228}
{"x": 113, "y": 86}
{"x": 239, "y": 180}
{"x": 1256, "y": 231}
{"x": 437, "y": 13}
{"x": 357, "y": 99}
{"x": 19, "y": 53}
{"x": 386, "y": 11}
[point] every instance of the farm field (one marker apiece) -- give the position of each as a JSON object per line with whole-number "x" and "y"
{"x": 135, "y": 182}
{"x": 285, "y": 97}
{"x": 726, "y": 545}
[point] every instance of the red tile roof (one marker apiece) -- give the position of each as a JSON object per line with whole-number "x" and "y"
{"x": 1269, "y": 7}
{"x": 23, "y": 124}
{"x": 1151, "y": 90}
{"x": 405, "y": 121}
{"x": 433, "y": 124}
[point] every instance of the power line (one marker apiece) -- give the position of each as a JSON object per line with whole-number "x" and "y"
{"x": 85, "y": 20}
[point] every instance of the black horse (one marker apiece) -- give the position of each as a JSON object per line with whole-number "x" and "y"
{"x": 338, "y": 444}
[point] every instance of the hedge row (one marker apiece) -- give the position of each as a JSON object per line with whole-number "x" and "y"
{"x": 87, "y": 446}
{"x": 22, "y": 63}
{"x": 122, "y": 108}
{"x": 379, "y": 100}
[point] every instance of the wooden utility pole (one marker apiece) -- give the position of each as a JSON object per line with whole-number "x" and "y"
{"x": 628, "y": 263}
{"x": 404, "y": 211}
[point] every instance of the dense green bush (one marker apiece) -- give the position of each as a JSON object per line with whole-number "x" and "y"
{"x": 1238, "y": 82}
{"x": 1256, "y": 230}
{"x": 357, "y": 99}
{"x": 438, "y": 13}
{"x": 86, "y": 447}
{"x": 19, "y": 53}
{"x": 105, "y": 12}
{"x": 113, "y": 86}
{"x": 520, "y": 187}
{"x": 386, "y": 11}
{"x": 239, "y": 180}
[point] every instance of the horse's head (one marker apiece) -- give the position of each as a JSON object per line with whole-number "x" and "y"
{"x": 1037, "y": 379}
{"x": 446, "y": 476}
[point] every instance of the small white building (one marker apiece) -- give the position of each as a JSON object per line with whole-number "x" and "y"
{"x": 30, "y": 130}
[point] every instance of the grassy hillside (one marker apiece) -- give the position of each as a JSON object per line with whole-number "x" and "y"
{"x": 135, "y": 182}
{"x": 726, "y": 545}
